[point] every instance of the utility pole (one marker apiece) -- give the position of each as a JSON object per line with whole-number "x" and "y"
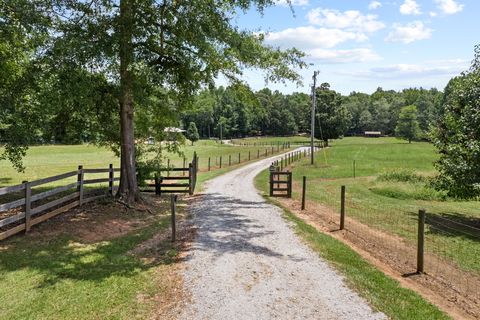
{"x": 312, "y": 129}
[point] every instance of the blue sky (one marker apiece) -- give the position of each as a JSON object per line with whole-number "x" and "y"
{"x": 359, "y": 45}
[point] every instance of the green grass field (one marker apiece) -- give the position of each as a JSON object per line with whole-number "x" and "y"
{"x": 45, "y": 161}
{"x": 392, "y": 205}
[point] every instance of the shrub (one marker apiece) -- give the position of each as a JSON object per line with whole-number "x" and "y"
{"x": 401, "y": 175}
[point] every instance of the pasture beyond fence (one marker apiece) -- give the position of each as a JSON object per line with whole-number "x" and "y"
{"x": 413, "y": 243}
{"x": 33, "y": 205}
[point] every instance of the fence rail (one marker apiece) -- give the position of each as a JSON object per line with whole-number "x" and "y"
{"x": 27, "y": 212}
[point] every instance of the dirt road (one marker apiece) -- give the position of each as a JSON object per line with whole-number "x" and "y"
{"x": 247, "y": 263}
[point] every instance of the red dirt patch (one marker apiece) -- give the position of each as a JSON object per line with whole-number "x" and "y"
{"x": 393, "y": 256}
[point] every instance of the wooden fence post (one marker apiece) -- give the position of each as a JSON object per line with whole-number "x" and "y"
{"x": 208, "y": 163}
{"x": 184, "y": 164}
{"x": 239, "y": 157}
{"x": 157, "y": 185}
{"x": 258, "y": 153}
{"x": 289, "y": 186}
{"x": 80, "y": 185}
{"x": 110, "y": 179}
{"x": 28, "y": 205}
{"x": 220, "y": 162}
{"x": 342, "y": 208}
{"x": 421, "y": 241}
{"x": 168, "y": 167}
{"x": 248, "y": 155}
{"x": 190, "y": 179}
{"x": 173, "y": 200}
{"x": 303, "y": 191}
{"x": 229, "y": 160}
{"x": 271, "y": 184}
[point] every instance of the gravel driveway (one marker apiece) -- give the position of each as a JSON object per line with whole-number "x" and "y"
{"x": 247, "y": 263}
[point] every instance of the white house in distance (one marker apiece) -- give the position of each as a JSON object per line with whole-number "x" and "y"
{"x": 172, "y": 133}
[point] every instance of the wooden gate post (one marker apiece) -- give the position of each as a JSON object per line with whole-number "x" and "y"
{"x": 271, "y": 183}
{"x": 190, "y": 178}
{"x": 342, "y": 208}
{"x": 421, "y": 241}
{"x": 289, "y": 186}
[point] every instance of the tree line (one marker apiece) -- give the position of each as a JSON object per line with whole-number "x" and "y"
{"x": 236, "y": 111}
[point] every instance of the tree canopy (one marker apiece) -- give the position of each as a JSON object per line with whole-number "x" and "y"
{"x": 407, "y": 126}
{"x": 134, "y": 48}
{"x": 457, "y": 134}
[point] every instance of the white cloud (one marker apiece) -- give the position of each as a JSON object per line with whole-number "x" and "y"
{"x": 449, "y": 6}
{"x": 432, "y": 14}
{"x": 374, "y": 5}
{"x": 311, "y": 37}
{"x": 343, "y": 56}
{"x": 351, "y": 20}
{"x": 410, "y": 7}
{"x": 428, "y": 69}
{"x": 286, "y": 3}
{"x": 409, "y": 32}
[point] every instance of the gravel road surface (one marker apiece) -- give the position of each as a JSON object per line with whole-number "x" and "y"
{"x": 247, "y": 263}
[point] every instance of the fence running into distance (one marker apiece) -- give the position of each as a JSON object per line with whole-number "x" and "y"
{"x": 443, "y": 247}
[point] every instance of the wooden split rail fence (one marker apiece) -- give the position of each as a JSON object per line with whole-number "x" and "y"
{"x": 32, "y": 208}
{"x": 176, "y": 183}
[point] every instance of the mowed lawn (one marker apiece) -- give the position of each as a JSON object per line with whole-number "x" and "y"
{"x": 390, "y": 205}
{"x": 45, "y": 161}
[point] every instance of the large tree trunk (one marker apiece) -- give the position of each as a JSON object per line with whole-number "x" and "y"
{"x": 128, "y": 190}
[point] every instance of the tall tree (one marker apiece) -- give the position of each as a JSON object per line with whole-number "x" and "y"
{"x": 192, "y": 132}
{"x": 140, "y": 44}
{"x": 407, "y": 126}
{"x": 457, "y": 134}
{"x": 332, "y": 116}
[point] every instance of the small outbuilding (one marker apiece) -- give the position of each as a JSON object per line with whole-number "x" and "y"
{"x": 373, "y": 134}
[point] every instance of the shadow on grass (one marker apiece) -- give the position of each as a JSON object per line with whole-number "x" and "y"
{"x": 4, "y": 182}
{"x": 454, "y": 224}
{"x": 68, "y": 258}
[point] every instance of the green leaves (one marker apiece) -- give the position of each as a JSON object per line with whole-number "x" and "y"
{"x": 407, "y": 125}
{"x": 457, "y": 135}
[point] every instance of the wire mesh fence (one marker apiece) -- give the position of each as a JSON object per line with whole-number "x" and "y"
{"x": 390, "y": 234}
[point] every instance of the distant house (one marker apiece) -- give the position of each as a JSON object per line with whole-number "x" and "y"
{"x": 373, "y": 134}
{"x": 172, "y": 133}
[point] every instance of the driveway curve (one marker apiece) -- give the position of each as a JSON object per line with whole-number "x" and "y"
{"x": 247, "y": 263}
